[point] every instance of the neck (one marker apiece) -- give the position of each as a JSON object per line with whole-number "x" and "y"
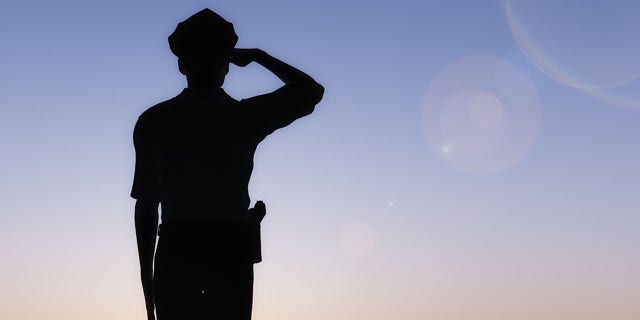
{"x": 204, "y": 83}
{"x": 203, "y": 86}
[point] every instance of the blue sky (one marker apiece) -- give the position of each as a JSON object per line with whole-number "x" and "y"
{"x": 391, "y": 223}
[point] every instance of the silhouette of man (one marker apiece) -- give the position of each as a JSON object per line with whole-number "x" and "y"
{"x": 194, "y": 156}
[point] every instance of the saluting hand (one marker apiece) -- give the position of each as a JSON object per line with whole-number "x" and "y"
{"x": 242, "y": 57}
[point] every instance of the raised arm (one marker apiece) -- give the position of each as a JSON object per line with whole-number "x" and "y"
{"x": 146, "y": 220}
{"x": 295, "y": 99}
{"x": 312, "y": 90}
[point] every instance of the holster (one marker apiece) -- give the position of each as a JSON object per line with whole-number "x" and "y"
{"x": 255, "y": 244}
{"x": 255, "y": 216}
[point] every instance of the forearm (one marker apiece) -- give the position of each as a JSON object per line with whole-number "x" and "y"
{"x": 285, "y": 72}
{"x": 300, "y": 88}
{"x": 146, "y": 222}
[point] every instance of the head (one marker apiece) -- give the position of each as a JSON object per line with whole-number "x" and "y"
{"x": 202, "y": 44}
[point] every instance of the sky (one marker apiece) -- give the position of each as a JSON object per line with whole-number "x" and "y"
{"x": 470, "y": 160}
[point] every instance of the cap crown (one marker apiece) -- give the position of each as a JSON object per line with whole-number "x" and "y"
{"x": 203, "y": 35}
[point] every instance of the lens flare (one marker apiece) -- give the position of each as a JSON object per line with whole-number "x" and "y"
{"x": 471, "y": 122}
{"x": 627, "y": 96}
{"x": 591, "y": 46}
{"x": 474, "y": 121}
{"x": 517, "y": 78}
{"x": 485, "y": 110}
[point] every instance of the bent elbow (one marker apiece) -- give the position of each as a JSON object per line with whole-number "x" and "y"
{"x": 316, "y": 92}
{"x": 307, "y": 93}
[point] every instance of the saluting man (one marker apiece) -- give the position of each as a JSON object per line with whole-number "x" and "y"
{"x": 194, "y": 157}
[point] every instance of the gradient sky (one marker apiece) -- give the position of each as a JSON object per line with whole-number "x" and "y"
{"x": 471, "y": 160}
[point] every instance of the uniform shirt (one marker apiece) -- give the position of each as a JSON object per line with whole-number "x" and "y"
{"x": 194, "y": 153}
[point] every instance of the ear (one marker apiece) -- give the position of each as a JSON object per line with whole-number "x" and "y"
{"x": 182, "y": 67}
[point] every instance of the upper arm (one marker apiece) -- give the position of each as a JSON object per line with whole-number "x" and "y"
{"x": 145, "y": 207}
{"x": 278, "y": 109}
{"x": 147, "y": 173}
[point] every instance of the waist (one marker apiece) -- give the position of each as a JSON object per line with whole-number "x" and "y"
{"x": 204, "y": 227}
{"x": 210, "y": 241}
{"x": 202, "y": 212}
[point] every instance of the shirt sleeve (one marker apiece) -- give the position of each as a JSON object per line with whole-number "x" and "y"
{"x": 280, "y": 108}
{"x": 146, "y": 178}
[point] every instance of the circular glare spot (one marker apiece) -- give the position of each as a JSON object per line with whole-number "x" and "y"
{"x": 474, "y": 123}
{"x": 356, "y": 238}
{"x": 469, "y": 123}
{"x": 485, "y": 110}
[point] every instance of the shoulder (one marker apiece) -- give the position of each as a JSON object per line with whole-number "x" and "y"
{"x": 156, "y": 111}
{"x": 155, "y": 114}
{"x": 151, "y": 118}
